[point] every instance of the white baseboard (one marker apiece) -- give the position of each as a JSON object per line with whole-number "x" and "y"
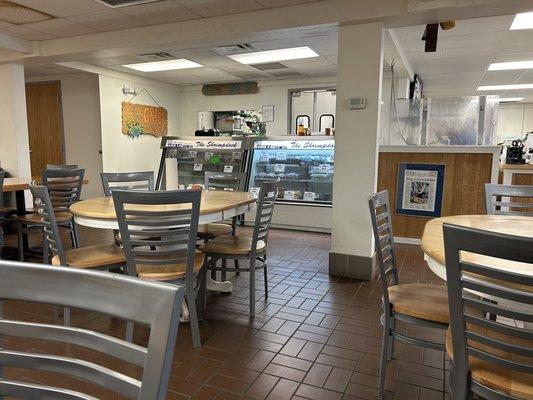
{"x": 403, "y": 240}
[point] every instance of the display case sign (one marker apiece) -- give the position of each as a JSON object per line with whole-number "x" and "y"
{"x": 309, "y": 196}
{"x": 281, "y": 156}
{"x": 138, "y": 119}
{"x": 193, "y": 153}
{"x": 289, "y": 195}
{"x": 228, "y": 169}
{"x": 255, "y": 191}
{"x": 420, "y": 189}
{"x": 279, "y": 167}
{"x": 296, "y": 144}
{"x": 264, "y": 157}
{"x": 203, "y": 144}
{"x": 197, "y": 167}
{"x": 323, "y": 168}
{"x": 208, "y": 155}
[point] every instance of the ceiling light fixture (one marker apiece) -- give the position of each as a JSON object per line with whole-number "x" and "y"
{"x": 504, "y": 66}
{"x": 167, "y": 65}
{"x": 522, "y": 86}
{"x": 510, "y": 99}
{"x": 522, "y": 21}
{"x": 260, "y": 57}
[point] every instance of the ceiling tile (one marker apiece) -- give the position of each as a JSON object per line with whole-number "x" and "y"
{"x": 59, "y": 27}
{"x": 22, "y": 32}
{"x": 283, "y": 3}
{"x": 162, "y": 12}
{"x": 212, "y": 8}
{"x": 108, "y": 20}
{"x": 63, "y": 8}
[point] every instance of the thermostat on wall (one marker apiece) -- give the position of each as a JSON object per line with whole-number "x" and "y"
{"x": 358, "y": 103}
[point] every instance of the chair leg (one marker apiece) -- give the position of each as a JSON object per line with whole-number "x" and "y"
{"x": 74, "y": 234}
{"x": 384, "y": 357}
{"x": 129, "y": 331}
{"x": 66, "y": 316}
{"x": 237, "y": 267}
{"x": 46, "y": 250}
{"x": 266, "y": 279}
{"x": 252, "y": 287}
{"x": 20, "y": 236}
{"x": 390, "y": 350}
{"x": 193, "y": 316}
{"x": 223, "y": 272}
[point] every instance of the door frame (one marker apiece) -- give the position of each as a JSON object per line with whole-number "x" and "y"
{"x": 61, "y": 122}
{"x": 307, "y": 89}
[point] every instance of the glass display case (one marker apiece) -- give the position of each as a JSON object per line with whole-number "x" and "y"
{"x": 196, "y": 155}
{"x": 303, "y": 166}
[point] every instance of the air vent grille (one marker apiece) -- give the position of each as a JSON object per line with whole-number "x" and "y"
{"x": 273, "y": 66}
{"x": 124, "y": 3}
{"x": 236, "y": 49}
{"x": 160, "y": 56}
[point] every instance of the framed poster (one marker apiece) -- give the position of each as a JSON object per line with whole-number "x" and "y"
{"x": 419, "y": 190}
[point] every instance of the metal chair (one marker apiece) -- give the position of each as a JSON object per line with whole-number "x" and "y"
{"x": 101, "y": 256}
{"x": 158, "y": 232}
{"x": 153, "y": 304}
{"x": 62, "y": 166}
{"x": 64, "y": 187}
{"x": 412, "y": 303}
{"x": 254, "y": 249}
{"x": 501, "y": 199}
{"x": 127, "y": 181}
{"x": 490, "y": 358}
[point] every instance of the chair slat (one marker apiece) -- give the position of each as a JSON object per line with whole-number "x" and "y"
{"x": 93, "y": 340}
{"x": 497, "y": 290}
{"x": 497, "y": 344}
{"x": 98, "y": 374}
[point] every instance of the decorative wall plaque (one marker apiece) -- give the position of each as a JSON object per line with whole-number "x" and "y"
{"x": 138, "y": 119}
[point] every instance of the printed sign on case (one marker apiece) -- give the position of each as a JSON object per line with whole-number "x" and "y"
{"x": 198, "y": 167}
{"x": 281, "y": 156}
{"x": 420, "y": 189}
{"x": 263, "y": 157}
{"x": 323, "y": 168}
{"x": 309, "y": 196}
{"x": 289, "y": 195}
{"x": 255, "y": 191}
{"x": 208, "y": 155}
{"x": 228, "y": 168}
{"x": 279, "y": 168}
{"x": 193, "y": 153}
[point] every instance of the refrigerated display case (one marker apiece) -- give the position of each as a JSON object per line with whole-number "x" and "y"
{"x": 196, "y": 155}
{"x": 303, "y": 166}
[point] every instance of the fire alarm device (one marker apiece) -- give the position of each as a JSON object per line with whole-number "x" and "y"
{"x": 358, "y": 103}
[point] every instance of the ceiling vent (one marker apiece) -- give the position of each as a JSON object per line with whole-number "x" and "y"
{"x": 124, "y": 3}
{"x": 235, "y": 49}
{"x": 287, "y": 74}
{"x": 17, "y": 14}
{"x": 160, "y": 56}
{"x": 272, "y": 66}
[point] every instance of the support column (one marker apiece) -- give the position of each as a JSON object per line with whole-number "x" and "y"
{"x": 359, "y": 74}
{"x": 14, "y": 144}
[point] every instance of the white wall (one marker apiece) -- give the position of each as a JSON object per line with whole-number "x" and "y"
{"x": 120, "y": 153}
{"x": 514, "y": 120}
{"x": 270, "y": 93}
{"x": 81, "y": 122}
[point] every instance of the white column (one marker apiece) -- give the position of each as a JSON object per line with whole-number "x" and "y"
{"x": 359, "y": 74}
{"x": 14, "y": 144}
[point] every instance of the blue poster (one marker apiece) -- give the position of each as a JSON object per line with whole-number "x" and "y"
{"x": 419, "y": 190}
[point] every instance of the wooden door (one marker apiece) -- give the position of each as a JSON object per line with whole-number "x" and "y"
{"x": 45, "y": 125}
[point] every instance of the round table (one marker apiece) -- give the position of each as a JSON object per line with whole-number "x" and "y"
{"x": 433, "y": 242}
{"x": 216, "y": 205}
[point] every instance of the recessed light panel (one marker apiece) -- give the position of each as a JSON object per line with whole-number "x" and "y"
{"x": 521, "y": 86}
{"x": 510, "y": 99}
{"x": 503, "y": 66}
{"x": 522, "y": 21}
{"x": 260, "y": 57}
{"x": 166, "y": 65}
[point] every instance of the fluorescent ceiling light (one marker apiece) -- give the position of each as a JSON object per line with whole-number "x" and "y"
{"x": 522, "y": 21}
{"x": 167, "y": 65}
{"x": 510, "y": 99}
{"x": 259, "y": 57}
{"x": 502, "y": 66}
{"x": 507, "y": 87}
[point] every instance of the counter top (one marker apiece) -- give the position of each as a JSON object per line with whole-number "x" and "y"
{"x": 440, "y": 149}
{"x": 516, "y": 166}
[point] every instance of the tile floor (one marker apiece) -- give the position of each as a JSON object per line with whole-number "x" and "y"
{"x": 315, "y": 337}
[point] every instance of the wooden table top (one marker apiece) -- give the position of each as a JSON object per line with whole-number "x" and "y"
{"x": 433, "y": 240}
{"x": 516, "y": 166}
{"x": 17, "y": 183}
{"x": 213, "y": 201}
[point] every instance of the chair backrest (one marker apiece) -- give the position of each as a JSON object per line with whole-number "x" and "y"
{"x": 64, "y": 186}
{"x": 225, "y": 181}
{"x": 62, "y": 166}
{"x": 380, "y": 216}
{"x": 494, "y": 202}
{"x": 153, "y": 304}
{"x": 41, "y": 199}
{"x": 127, "y": 181}
{"x": 469, "y": 270}
{"x": 265, "y": 210}
{"x": 158, "y": 229}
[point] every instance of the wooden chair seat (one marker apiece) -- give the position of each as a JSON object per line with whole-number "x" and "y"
{"x": 35, "y": 218}
{"x": 211, "y": 231}
{"x": 170, "y": 272}
{"x": 93, "y": 256}
{"x": 421, "y": 300}
{"x": 232, "y": 245}
{"x": 511, "y": 382}
{"x": 6, "y": 210}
